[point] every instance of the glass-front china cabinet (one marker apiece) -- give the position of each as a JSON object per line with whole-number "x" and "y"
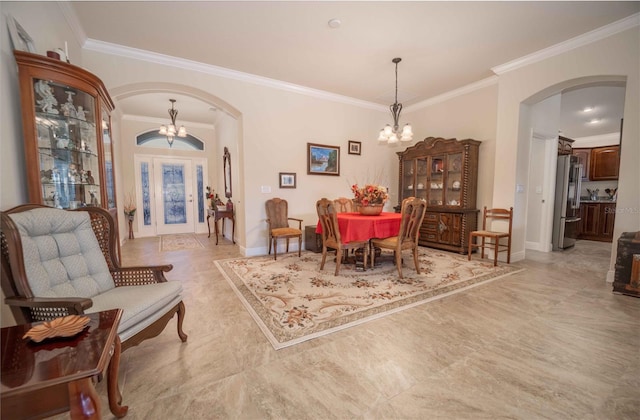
{"x": 67, "y": 134}
{"x": 445, "y": 173}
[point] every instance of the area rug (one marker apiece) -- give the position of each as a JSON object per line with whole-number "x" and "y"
{"x": 293, "y": 301}
{"x": 179, "y": 242}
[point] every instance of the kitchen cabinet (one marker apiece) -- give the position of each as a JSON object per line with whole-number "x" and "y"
{"x": 597, "y": 221}
{"x": 584, "y": 159}
{"x": 67, "y": 134}
{"x": 564, "y": 145}
{"x": 444, "y": 172}
{"x": 605, "y": 163}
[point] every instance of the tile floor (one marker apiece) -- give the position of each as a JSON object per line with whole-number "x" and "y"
{"x": 550, "y": 342}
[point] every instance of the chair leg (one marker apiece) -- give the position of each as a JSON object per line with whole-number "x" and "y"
{"x": 181, "y": 310}
{"x": 338, "y": 260}
{"x": 399, "y": 263}
{"x": 509, "y": 250}
{"x": 270, "y": 239}
{"x": 415, "y": 259}
{"x": 275, "y": 248}
{"x": 495, "y": 252}
{"x": 287, "y": 244}
{"x": 482, "y": 255}
{"x": 470, "y": 248}
{"x": 324, "y": 257}
{"x": 299, "y": 246}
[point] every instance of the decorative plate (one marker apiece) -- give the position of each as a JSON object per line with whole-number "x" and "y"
{"x": 67, "y": 326}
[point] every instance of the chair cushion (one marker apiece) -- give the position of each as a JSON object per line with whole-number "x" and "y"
{"x": 137, "y": 302}
{"x": 285, "y": 232}
{"x": 62, "y": 257}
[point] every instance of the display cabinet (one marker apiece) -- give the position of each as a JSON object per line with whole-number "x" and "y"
{"x": 67, "y": 134}
{"x": 445, "y": 173}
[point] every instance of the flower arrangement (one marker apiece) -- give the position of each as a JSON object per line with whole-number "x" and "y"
{"x": 213, "y": 196}
{"x": 370, "y": 194}
{"x": 130, "y": 206}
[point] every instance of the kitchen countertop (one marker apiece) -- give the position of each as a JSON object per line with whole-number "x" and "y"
{"x": 599, "y": 200}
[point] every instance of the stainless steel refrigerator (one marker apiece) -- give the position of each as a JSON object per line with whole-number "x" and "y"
{"x": 566, "y": 212}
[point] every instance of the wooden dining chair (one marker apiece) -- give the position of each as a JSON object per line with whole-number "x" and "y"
{"x": 343, "y": 205}
{"x": 278, "y": 224}
{"x": 331, "y": 234}
{"x": 490, "y": 238}
{"x": 413, "y": 211}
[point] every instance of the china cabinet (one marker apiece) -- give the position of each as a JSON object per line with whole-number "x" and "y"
{"x": 67, "y": 134}
{"x": 445, "y": 173}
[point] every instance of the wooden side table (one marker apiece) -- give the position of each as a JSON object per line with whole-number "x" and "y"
{"x": 56, "y": 375}
{"x": 218, "y": 215}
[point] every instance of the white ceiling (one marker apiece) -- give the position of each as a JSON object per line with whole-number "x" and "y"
{"x": 443, "y": 45}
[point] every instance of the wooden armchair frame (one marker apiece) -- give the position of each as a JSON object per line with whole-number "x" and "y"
{"x": 278, "y": 224}
{"x": 28, "y": 308}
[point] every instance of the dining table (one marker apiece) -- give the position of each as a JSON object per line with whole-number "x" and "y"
{"x": 358, "y": 227}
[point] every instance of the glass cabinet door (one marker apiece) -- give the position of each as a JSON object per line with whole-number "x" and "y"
{"x": 436, "y": 181}
{"x": 108, "y": 160}
{"x": 67, "y": 145}
{"x": 422, "y": 178}
{"x": 453, "y": 192}
{"x": 409, "y": 178}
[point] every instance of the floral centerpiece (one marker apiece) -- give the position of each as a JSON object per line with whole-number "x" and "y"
{"x": 214, "y": 198}
{"x": 370, "y": 198}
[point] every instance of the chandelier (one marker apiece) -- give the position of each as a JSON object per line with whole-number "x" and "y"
{"x": 393, "y": 134}
{"x": 170, "y": 130}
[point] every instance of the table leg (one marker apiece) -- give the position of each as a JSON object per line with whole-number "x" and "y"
{"x": 208, "y": 227}
{"x": 215, "y": 222}
{"x": 115, "y": 397}
{"x": 84, "y": 401}
{"x": 233, "y": 230}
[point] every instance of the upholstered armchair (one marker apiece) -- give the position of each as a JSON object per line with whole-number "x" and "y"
{"x": 278, "y": 223}
{"x": 61, "y": 262}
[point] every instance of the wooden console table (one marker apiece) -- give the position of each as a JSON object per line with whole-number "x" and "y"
{"x": 221, "y": 214}
{"x": 56, "y": 375}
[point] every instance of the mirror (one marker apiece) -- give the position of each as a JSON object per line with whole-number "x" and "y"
{"x": 227, "y": 173}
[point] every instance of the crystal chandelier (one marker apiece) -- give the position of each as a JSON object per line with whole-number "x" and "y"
{"x": 170, "y": 130}
{"x": 393, "y": 134}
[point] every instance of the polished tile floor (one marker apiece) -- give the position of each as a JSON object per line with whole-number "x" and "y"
{"x": 551, "y": 342}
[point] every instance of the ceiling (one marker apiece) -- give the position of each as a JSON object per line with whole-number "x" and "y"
{"x": 443, "y": 45}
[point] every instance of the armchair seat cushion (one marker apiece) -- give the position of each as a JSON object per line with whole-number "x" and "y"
{"x": 142, "y": 305}
{"x": 286, "y": 231}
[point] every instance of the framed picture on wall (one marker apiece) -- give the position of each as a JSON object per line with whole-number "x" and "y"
{"x": 354, "y": 147}
{"x": 323, "y": 159}
{"x": 19, "y": 37}
{"x": 287, "y": 180}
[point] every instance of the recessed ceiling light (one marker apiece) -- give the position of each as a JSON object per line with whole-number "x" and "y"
{"x": 588, "y": 109}
{"x": 595, "y": 121}
{"x": 334, "y": 23}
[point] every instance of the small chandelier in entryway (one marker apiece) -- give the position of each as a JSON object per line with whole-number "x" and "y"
{"x": 393, "y": 134}
{"x": 170, "y": 130}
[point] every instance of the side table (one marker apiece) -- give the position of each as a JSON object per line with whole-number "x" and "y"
{"x": 56, "y": 375}
{"x": 221, "y": 214}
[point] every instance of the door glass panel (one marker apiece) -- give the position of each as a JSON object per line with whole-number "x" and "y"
{"x": 146, "y": 193}
{"x": 200, "y": 189}
{"x": 173, "y": 194}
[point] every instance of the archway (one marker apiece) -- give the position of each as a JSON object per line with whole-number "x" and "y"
{"x": 225, "y": 115}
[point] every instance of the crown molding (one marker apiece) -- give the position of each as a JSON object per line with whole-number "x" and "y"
{"x": 162, "y": 59}
{"x": 72, "y": 20}
{"x": 489, "y": 81}
{"x": 570, "y": 44}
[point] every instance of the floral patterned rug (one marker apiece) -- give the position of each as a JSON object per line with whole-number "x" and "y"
{"x": 179, "y": 242}
{"x": 293, "y": 301}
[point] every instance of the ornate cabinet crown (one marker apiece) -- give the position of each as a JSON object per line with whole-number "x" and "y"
{"x": 445, "y": 173}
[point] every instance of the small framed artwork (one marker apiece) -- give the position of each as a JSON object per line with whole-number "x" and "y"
{"x": 354, "y": 147}
{"x": 19, "y": 37}
{"x": 287, "y": 179}
{"x": 323, "y": 159}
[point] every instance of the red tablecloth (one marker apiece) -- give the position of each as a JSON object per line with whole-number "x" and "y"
{"x": 356, "y": 227}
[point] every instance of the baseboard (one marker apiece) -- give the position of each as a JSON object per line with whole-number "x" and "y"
{"x": 537, "y": 246}
{"x": 611, "y": 276}
{"x": 515, "y": 256}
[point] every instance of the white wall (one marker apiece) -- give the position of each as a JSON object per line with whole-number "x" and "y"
{"x": 615, "y": 56}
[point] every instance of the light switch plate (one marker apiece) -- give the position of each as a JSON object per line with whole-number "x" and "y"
{"x": 265, "y": 189}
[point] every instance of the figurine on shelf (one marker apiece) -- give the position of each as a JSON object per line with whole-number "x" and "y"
{"x": 56, "y": 200}
{"x": 90, "y": 179}
{"x": 67, "y": 108}
{"x": 94, "y": 199}
{"x": 80, "y": 114}
{"x": 47, "y": 101}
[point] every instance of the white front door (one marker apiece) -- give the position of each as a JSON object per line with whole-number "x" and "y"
{"x": 174, "y": 196}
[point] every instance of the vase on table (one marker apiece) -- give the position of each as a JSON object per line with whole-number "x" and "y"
{"x": 371, "y": 209}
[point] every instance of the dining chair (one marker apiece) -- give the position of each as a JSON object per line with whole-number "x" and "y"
{"x": 493, "y": 236}
{"x": 278, "y": 224}
{"x": 331, "y": 234}
{"x": 413, "y": 211}
{"x": 343, "y": 205}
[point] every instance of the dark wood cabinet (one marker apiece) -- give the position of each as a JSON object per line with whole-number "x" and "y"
{"x": 445, "y": 173}
{"x": 564, "y": 145}
{"x": 584, "y": 159}
{"x": 605, "y": 163}
{"x": 67, "y": 134}
{"x": 598, "y": 220}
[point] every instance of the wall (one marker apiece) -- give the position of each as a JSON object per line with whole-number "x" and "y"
{"x": 617, "y": 57}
